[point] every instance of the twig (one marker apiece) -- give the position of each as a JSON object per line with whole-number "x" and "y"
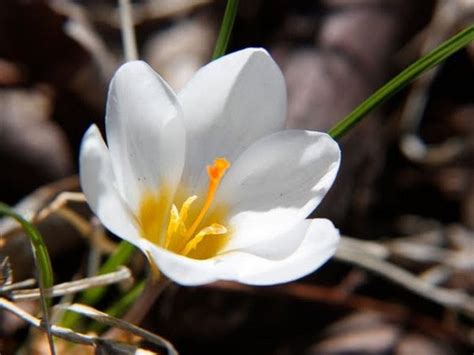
{"x": 17, "y": 285}
{"x": 75, "y": 286}
{"x": 55, "y": 330}
{"x": 336, "y": 297}
{"x": 436, "y": 274}
{"x": 80, "y": 338}
{"x": 59, "y": 201}
{"x": 86, "y": 229}
{"x": 80, "y": 28}
{"x": 128, "y": 33}
{"x": 115, "y": 322}
{"x": 142, "y": 305}
{"x": 147, "y": 11}
{"x": 448, "y": 15}
{"x": 29, "y": 206}
{"x": 353, "y": 251}
{"x": 427, "y": 253}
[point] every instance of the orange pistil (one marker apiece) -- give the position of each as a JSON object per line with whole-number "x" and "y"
{"x": 216, "y": 173}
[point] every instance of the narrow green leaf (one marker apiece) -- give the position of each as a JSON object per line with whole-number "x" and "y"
{"x": 226, "y": 28}
{"x": 39, "y": 248}
{"x": 42, "y": 261}
{"x": 425, "y": 63}
{"x": 119, "y": 307}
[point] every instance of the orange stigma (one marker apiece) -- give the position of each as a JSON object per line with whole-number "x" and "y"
{"x": 216, "y": 173}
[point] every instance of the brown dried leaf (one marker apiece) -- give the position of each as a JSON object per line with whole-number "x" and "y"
{"x": 375, "y": 333}
{"x": 29, "y": 140}
{"x": 365, "y": 332}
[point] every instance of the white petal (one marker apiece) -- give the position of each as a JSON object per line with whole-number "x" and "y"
{"x": 98, "y": 183}
{"x": 276, "y": 183}
{"x": 229, "y": 104}
{"x": 318, "y": 245}
{"x": 145, "y": 132}
{"x": 316, "y": 242}
{"x": 280, "y": 246}
{"x": 183, "y": 270}
{"x": 191, "y": 272}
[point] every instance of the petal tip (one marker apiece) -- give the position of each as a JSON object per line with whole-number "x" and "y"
{"x": 135, "y": 71}
{"x": 135, "y": 66}
{"x": 91, "y": 137}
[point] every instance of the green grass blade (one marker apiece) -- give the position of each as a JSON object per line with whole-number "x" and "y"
{"x": 439, "y": 54}
{"x": 226, "y": 28}
{"x": 42, "y": 261}
{"x": 39, "y": 248}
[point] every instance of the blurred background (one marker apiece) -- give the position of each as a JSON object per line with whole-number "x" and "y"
{"x": 406, "y": 182}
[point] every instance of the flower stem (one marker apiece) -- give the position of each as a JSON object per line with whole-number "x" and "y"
{"x": 226, "y": 28}
{"x": 423, "y": 64}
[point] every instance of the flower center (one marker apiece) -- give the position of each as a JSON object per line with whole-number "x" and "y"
{"x": 195, "y": 230}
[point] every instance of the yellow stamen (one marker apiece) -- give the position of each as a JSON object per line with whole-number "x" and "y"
{"x": 183, "y": 213}
{"x": 164, "y": 224}
{"x": 173, "y": 224}
{"x": 216, "y": 173}
{"x": 213, "y": 229}
{"x": 178, "y": 219}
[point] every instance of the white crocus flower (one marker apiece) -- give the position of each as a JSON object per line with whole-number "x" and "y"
{"x": 207, "y": 182}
